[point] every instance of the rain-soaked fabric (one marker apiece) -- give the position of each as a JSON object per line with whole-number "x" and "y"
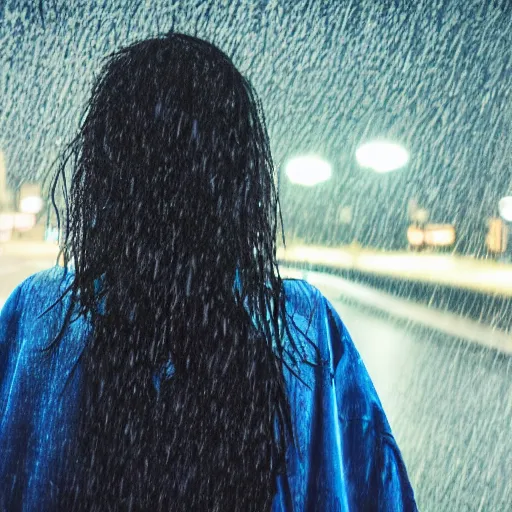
{"x": 344, "y": 459}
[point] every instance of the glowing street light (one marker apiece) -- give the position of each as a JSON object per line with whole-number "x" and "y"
{"x": 31, "y": 204}
{"x": 308, "y": 170}
{"x": 505, "y": 208}
{"x": 382, "y": 156}
{"x": 30, "y": 199}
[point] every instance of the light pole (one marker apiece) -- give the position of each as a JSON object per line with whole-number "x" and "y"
{"x": 382, "y": 156}
{"x": 304, "y": 172}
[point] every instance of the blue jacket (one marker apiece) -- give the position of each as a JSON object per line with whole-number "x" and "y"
{"x": 345, "y": 457}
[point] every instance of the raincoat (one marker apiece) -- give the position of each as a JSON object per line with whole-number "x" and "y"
{"x": 344, "y": 457}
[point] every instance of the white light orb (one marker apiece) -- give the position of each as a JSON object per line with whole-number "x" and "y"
{"x": 382, "y": 156}
{"x": 308, "y": 170}
{"x": 31, "y": 204}
{"x": 505, "y": 208}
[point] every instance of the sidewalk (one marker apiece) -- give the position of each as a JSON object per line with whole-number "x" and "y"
{"x": 28, "y": 248}
{"x": 487, "y": 276}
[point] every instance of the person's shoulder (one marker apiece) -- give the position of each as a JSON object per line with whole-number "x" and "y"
{"x": 20, "y": 316}
{"x": 302, "y": 297}
{"x": 309, "y": 319}
{"x": 50, "y": 279}
{"x": 42, "y": 289}
{"x": 38, "y": 308}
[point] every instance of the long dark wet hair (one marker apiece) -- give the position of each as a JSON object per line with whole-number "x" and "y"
{"x": 170, "y": 224}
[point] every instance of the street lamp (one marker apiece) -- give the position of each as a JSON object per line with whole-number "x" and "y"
{"x": 505, "y": 208}
{"x": 31, "y": 204}
{"x": 308, "y": 170}
{"x": 30, "y": 199}
{"x": 382, "y": 156}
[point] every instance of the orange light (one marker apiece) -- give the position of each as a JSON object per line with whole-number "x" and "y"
{"x": 439, "y": 234}
{"x": 497, "y": 236}
{"x": 415, "y": 236}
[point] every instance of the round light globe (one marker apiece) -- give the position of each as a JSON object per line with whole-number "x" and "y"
{"x": 308, "y": 170}
{"x": 382, "y": 156}
{"x": 31, "y": 204}
{"x": 505, "y": 208}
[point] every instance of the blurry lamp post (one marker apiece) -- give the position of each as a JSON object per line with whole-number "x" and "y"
{"x": 505, "y": 208}
{"x": 420, "y": 216}
{"x": 308, "y": 170}
{"x": 6, "y": 226}
{"x": 382, "y": 156}
{"x": 30, "y": 199}
{"x": 31, "y": 204}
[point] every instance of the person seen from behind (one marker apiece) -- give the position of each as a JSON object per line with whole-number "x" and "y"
{"x": 167, "y": 366}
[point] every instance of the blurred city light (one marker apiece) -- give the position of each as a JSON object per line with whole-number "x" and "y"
{"x": 382, "y": 156}
{"x": 31, "y": 204}
{"x": 30, "y": 198}
{"x": 415, "y": 236}
{"x": 439, "y": 235}
{"x": 308, "y": 170}
{"x": 505, "y": 208}
{"x": 433, "y": 235}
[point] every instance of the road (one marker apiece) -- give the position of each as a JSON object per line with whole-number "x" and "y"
{"x": 448, "y": 401}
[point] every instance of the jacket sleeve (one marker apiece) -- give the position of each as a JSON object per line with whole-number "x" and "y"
{"x": 375, "y": 473}
{"x": 394, "y": 489}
